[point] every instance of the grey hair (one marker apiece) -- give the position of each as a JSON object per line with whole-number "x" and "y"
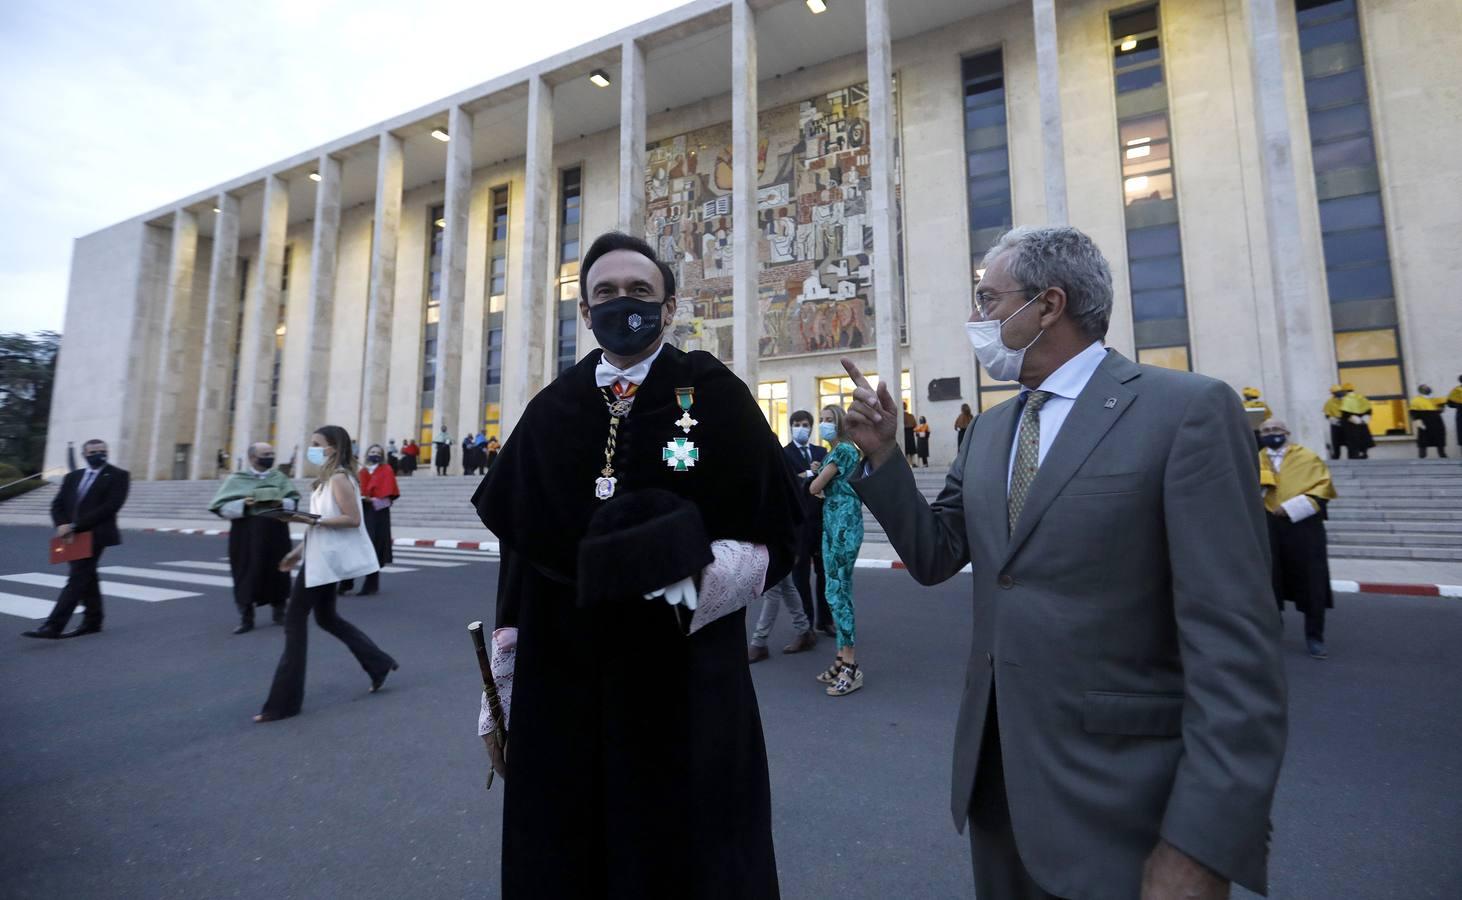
{"x": 1066, "y": 258}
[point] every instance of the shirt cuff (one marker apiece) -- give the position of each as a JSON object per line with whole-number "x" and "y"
{"x": 1300, "y": 508}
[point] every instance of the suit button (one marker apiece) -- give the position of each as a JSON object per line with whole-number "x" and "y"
{"x": 1007, "y": 582}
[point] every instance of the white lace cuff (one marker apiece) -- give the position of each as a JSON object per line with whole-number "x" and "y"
{"x": 503, "y": 659}
{"x": 731, "y": 582}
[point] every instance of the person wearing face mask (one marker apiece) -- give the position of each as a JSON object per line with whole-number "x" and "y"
{"x": 1431, "y": 428}
{"x": 804, "y": 456}
{"x": 842, "y": 538}
{"x": 336, "y": 547}
{"x": 88, "y": 502}
{"x": 640, "y": 503}
{"x": 803, "y": 461}
{"x": 257, "y": 539}
{"x": 1124, "y": 630}
{"x": 1355, "y": 423}
{"x": 1297, "y": 488}
{"x": 378, "y": 491}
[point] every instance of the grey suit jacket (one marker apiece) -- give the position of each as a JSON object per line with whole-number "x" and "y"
{"x": 1127, "y": 623}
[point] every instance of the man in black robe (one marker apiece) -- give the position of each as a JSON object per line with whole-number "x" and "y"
{"x": 257, "y": 541}
{"x": 635, "y": 765}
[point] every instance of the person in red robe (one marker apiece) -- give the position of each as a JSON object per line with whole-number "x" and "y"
{"x": 377, "y": 492}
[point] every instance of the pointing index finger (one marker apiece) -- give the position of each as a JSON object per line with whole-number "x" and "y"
{"x": 856, "y": 374}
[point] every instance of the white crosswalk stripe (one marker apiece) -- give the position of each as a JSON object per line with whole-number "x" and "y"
{"x": 395, "y": 570}
{"x": 199, "y": 564}
{"x": 25, "y": 607}
{"x": 428, "y": 553}
{"x": 165, "y": 575}
{"x": 109, "y": 588}
{"x": 431, "y": 563}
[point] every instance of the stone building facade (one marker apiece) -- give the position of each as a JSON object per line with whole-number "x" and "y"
{"x": 1275, "y": 182}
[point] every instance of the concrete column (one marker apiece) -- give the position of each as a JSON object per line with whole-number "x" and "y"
{"x": 526, "y": 320}
{"x": 632, "y": 138}
{"x": 882, "y": 212}
{"x": 173, "y": 340}
{"x": 256, "y": 349}
{"x": 1048, "y": 73}
{"x": 1301, "y": 321}
{"x": 220, "y": 330}
{"x": 390, "y": 171}
{"x": 452, "y": 309}
{"x": 324, "y": 249}
{"x": 746, "y": 261}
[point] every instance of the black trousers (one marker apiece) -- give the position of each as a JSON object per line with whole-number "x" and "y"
{"x": 287, "y": 694}
{"x": 808, "y": 562}
{"x": 999, "y": 872}
{"x": 82, "y": 587}
{"x": 1337, "y": 440}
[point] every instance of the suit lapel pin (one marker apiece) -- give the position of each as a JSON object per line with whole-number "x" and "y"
{"x": 1111, "y": 403}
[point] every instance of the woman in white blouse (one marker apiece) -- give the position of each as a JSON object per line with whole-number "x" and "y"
{"x": 336, "y": 547}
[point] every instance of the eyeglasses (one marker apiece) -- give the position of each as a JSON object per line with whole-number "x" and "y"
{"x": 984, "y": 300}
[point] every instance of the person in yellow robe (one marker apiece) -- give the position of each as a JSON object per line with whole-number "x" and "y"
{"x": 1296, "y": 485}
{"x": 1454, "y": 400}
{"x": 1253, "y": 403}
{"x": 1431, "y": 428}
{"x": 1333, "y": 415}
{"x": 1355, "y": 423}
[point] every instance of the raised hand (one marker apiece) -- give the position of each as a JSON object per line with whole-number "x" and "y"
{"x": 873, "y": 420}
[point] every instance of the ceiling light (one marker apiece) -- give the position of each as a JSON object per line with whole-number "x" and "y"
{"x": 314, "y": 176}
{"x": 1129, "y": 44}
{"x": 217, "y": 210}
{"x": 441, "y": 134}
{"x": 1133, "y": 185}
{"x": 279, "y": 332}
{"x": 817, "y": 6}
{"x": 599, "y": 78}
{"x": 1136, "y": 152}
{"x": 441, "y": 223}
{"x": 979, "y": 273}
{"x": 1142, "y": 140}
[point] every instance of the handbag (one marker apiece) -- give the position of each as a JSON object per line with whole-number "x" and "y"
{"x": 336, "y": 554}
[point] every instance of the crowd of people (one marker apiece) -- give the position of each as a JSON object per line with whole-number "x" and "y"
{"x": 1123, "y": 716}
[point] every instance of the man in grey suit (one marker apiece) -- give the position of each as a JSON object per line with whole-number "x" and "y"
{"x": 1124, "y": 717}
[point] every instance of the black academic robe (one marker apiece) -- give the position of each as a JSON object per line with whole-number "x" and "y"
{"x": 636, "y": 764}
{"x": 1435, "y": 432}
{"x": 1300, "y": 562}
{"x": 256, "y": 544}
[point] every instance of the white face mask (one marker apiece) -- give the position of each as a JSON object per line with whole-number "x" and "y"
{"x": 1003, "y": 363}
{"x": 828, "y": 430}
{"x": 316, "y": 456}
{"x": 800, "y": 433}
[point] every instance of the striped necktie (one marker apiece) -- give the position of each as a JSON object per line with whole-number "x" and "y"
{"x": 1027, "y": 454}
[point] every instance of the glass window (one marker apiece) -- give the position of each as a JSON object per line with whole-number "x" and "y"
{"x": 1162, "y": 271}
{"x": 984, "y": 190}
{"x": 1339, "y": 121}
{"x": 1143, "y": 130}
{"x": 1166, "y": 357}
{"x": 1308, "y": 12}
{"x": 985, "y": 116}
{"x": 1145, "y": 242}
{"x": 1366, "y": 346}
{"x": 1350, "y": 153}
{"x": 1335, "y": 31}
{"x": 1350, "y": 212}
{"x": 773, "y": 398}
{"x": 987, "y": 162}
{"x": 1145, "y": 50}
{"x": 1134, "y": 22}
{"x": 1139, "y": 79}
{"x": 989, "y": 216}
{"x": 1363, "y": 283}
{"x": 1336, "y": 90}
{"x": 1374, "y": 381}
{"x": 1148, "y": 187}
{"x": 1350, "y": 247}
{"x": 1144, "y": 159}
{"x": 1168, "y": 303}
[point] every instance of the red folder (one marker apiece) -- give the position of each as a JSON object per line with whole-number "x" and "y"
{"x": 77, "y": 545}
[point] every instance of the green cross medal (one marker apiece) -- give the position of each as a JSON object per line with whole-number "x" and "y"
{"x": 681, "y": 454}
{"x": 684, "y": 397}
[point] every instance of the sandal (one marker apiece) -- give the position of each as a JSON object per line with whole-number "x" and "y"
{"x": 849, "y": 680}
{"x": 830, "y": 674}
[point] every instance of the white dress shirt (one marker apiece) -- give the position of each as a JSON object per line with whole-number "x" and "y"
{"x": 1063, "y": 385}
{"x": 607, "y": 373}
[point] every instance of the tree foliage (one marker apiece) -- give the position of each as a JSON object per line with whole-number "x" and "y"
{"x": 27, "y": 374}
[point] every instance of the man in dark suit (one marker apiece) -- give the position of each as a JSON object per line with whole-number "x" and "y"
{"x": 1124, "y": 717}
{"x": 88, "y": 501}
{"x": 804, "y": 458}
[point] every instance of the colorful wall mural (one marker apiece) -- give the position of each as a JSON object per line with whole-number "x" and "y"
{"x": 816, "y": 280}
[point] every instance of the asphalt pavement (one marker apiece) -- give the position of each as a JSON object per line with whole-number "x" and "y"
{"x": 129, "y": 766}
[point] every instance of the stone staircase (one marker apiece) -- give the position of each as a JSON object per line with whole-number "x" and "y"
{"x": 1388, "y": 509}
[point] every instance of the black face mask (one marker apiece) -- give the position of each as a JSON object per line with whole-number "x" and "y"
{"x": 373, "y": 458}
{"x": 1272, "y": 441}
{"x": 265, "y": 463}
{"x": 626, "y": 326}
{"x": 96, "y": 460}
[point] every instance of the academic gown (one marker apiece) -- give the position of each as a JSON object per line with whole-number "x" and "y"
{"x": 1358, "y": 437}
{"x": 636, "y": 763}
{"x": 1301, "y": 560}
{"x": 1429, "y": 411}
{"x": 257, "y": 543}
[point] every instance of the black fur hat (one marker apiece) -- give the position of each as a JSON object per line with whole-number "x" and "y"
{"x": 640, "y": 542}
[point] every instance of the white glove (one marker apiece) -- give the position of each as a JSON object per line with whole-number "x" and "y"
{"x": 1366, "y": 419}
{"x": 1355, "y": 420}
{"x": 1420, "y": 425}
{"x": 681, "y": 592}
{"x": 234, "y": 509}
{"x": 1334, "y": 421}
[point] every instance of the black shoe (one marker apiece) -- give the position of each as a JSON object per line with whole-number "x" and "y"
{"x": 376, "y": 683}
{"x": 244, "y": 628}
{"x": 45, "y": 632}
{"x": 85, "y": 629}
{"x": 1317, "y": 649}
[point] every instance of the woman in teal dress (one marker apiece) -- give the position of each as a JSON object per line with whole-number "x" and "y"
{"x": 842, "y": 536}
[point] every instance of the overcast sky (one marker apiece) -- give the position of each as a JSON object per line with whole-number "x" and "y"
{"x": 109, "y": 109}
